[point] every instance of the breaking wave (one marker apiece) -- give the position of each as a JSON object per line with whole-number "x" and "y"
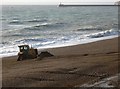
{"x": 33, "y": 40}
{"x": 43, "y": 41}
{"x": 37, "y": 20}
{"x": 98, "y": 28}
{"x": 104, "y": 33}
{"x": 44, "y": 26}
{"x": 90, "y": 28}
{"x": 15, "y": 22}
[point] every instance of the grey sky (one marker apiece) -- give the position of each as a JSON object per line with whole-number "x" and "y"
{"x": 48, "y": 2}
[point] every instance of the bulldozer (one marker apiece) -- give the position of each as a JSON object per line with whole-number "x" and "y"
{"x": 27, "y": 52}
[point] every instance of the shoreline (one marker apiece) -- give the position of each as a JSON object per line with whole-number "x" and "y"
{"x": 74, "y": 44}
{"x": 69, "y": 67}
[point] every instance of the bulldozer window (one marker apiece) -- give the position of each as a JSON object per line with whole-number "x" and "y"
{"x": 25, "y": 48}
{"x": 21, "y": 48}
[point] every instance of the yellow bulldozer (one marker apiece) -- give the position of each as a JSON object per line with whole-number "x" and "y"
{"x": 27, "y": 53}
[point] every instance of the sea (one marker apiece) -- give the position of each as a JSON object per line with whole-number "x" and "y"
{"x": 50, "y": 26}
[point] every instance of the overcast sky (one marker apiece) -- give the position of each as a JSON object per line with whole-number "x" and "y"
{"x": 49, "y": 2}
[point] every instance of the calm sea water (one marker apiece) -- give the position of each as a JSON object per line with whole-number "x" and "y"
{"x": 52, "y": 26}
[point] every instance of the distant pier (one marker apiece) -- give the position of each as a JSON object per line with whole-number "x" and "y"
{"x": 83, "y": 5}
{"x": 77, "y": 5}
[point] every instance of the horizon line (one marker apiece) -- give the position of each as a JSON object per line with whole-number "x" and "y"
{"x": 57, "y": 3}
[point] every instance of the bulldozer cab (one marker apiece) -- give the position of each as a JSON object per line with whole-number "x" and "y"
{"x": 24, "y": 49}
{"x": 26, "y": 52}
